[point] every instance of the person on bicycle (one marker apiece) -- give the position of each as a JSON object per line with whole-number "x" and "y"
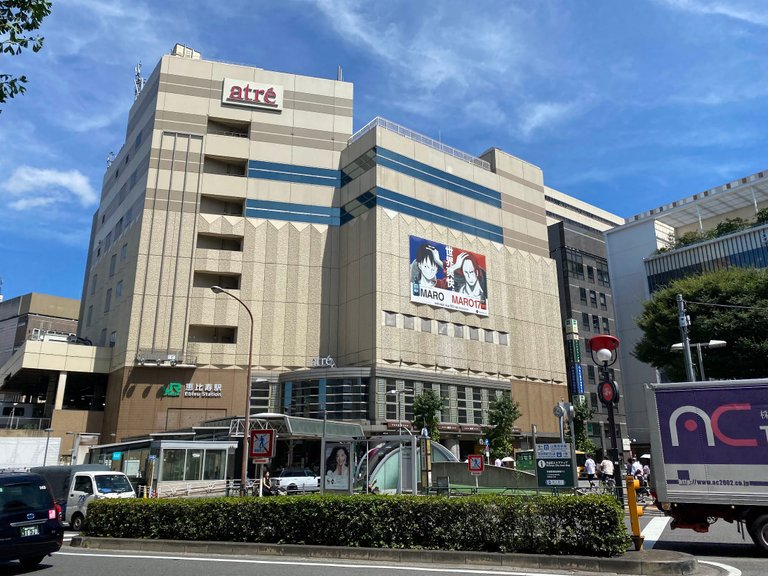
{"x": 606, "y": 470}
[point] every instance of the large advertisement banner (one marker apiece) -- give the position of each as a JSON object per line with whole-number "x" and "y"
{"x": 447, "y": 276}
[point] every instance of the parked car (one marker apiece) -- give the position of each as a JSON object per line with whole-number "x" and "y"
{"x": 294, "y": 480}
{"x": 74, "y": 487}
{"x": 30, "y": 524}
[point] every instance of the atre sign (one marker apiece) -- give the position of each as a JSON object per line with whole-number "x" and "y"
{"x": 247, "y": 93}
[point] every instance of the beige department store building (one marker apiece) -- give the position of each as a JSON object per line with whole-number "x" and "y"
{"x": 253, "y": 180}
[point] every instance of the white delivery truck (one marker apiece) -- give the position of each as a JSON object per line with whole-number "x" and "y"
{"x": 74, "y": 487}
{"x": 709, "y": 453}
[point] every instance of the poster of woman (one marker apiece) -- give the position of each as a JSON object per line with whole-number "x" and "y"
{"x": 336, "y": 467}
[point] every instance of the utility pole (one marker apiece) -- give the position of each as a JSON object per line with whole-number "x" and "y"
{"x": 684, "y": 322}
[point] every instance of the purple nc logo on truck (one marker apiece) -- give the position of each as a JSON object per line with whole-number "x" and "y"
{"x": 706, "y": 426}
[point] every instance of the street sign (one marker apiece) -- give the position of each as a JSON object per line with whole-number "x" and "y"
{"x": 475, "y": 464}
{"x": 262, "y": 443}
{"x": 554, "y": 451}
{"x": 554, "y": 465}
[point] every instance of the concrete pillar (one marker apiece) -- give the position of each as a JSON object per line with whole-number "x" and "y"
{"x": 453, "y": 445}
{"x": 60, "y": 390}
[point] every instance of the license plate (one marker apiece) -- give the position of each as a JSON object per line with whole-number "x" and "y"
{"x": 30, "y": 530}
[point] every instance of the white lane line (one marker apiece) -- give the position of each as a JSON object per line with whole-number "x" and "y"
{"x": 324, "y": 564}
{"x": 653, "y": 531}
{"x": 730, "y": 569}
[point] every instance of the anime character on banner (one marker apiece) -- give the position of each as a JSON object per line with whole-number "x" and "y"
{"x": 447, "y": 276}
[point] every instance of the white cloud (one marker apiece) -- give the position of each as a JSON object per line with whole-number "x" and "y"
{"x": 30, "y": 187}
{"x": 735, "y": 9}
{"x": 545, "y": 115}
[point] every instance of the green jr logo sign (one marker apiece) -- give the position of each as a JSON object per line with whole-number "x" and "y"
{"x": 173, "y": 389}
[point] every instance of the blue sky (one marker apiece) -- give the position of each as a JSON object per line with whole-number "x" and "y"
{"x": 626, "y": 105}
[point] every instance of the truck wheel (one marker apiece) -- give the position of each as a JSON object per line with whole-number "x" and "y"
{"x": 30, "y": 561}
{"x": 758, "y": 529}
{"x": 77, "y": 522}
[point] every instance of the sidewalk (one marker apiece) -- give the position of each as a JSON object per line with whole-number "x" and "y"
{"x": 651, "y": 562}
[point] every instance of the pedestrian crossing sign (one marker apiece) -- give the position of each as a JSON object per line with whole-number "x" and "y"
{"x": 262, "y": 443}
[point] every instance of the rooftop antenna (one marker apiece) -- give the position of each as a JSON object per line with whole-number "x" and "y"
{"x": 339, "y": 74}
{"x": 1, "y": 288}
{"x": 138, "y": 81}
{"x": 110, "y": 159}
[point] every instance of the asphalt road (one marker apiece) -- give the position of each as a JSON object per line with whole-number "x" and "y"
{"x": 721, "y": 545}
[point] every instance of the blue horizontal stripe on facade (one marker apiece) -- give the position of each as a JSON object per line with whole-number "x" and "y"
{"x": 437, "y": 177}
{"x": 294, "y": 173}
{"x": 432, "y": 213}
{"x": 292, "y": 212}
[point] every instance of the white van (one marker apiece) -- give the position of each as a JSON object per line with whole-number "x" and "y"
{"x": 74, "y": 487}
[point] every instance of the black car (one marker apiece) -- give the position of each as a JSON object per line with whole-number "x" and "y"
{"x": 30, "y": 524}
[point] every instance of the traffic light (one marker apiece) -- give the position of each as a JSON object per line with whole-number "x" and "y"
{"x": 635, "y": 511}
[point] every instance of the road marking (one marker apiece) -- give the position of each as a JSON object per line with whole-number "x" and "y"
{"x": 653, "y": 531}
{"x": 730, "y": 569}
{"x": 324, "y": 564}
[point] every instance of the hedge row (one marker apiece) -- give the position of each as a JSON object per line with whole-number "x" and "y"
{"x": 561, "y": 525}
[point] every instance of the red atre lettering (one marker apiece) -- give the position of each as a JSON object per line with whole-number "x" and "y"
{"x": 255, "y": 95}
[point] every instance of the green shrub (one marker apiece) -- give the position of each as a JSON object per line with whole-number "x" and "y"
{"x": 588, "y": 525}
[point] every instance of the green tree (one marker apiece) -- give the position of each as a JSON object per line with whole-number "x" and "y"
{"x": 730, "y": 305}
{"x": 582, "y": 413}
{"x": 17, "y": 18}
{"x": 730, "y": 225}
{"x": 426, "y": 407}
{"x": 502, "y": 414}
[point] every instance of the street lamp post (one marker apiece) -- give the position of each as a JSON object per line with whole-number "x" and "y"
{"x": 398, "y": 396}
{"x": 47, "y": 439}
{"x": 13, "y": 413}
{"x": 247, "y": 422}
{"x": 699, "y": 345}
{"x": 603, "y": 348}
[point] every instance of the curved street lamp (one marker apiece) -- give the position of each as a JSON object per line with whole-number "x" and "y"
{"x": 699, "y": 345}
{"x": 247, "y": 421}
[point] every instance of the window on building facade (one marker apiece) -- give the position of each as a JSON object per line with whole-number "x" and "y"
{"x": 458, "y": 331}
{"x": 503, "y": 338}
{"x": 606, "y": 326}
{"x": 585, "y": 321}
{"x": 591, "y": 274}
{"x": 90, "y": 316}
{"x": 390, "y": 319}
{"x": 124, "y": 253}
{"x": 583, "y": 295}
{"x": 108, "y": 300}
{"x": 442, "y": 328}
{"x": 574, "y": 264}
{"x": 593, "y": 298}
{"x": 474, "y": 333}
{"x": 594, "y": 402}
{"x": 112, "y": 265}
{"x": 103, "y": 337}
{"x": 489, "y": 336}
{"x": 112, "y": 339}
{"x": 603, "y": 302}
{"x": 602, "y": 274}
{"x": 407, "y": 322}
{"x": 596, "y": 324}
{"x": 590, "y": 372}
{"x": 93, "y": 283}
{"x": 119, "y": 289}
{"x": 426, "y": 325}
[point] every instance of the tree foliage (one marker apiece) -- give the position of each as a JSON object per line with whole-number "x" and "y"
{"x": 582, "y": 413}
{"x": 502, "y": 414}
{"x": 17, "y": 19}
{"x": 426, "y": 407}
{"x": 741, "y": 319}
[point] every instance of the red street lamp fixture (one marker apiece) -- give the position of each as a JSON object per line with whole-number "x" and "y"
{"x": 603, "y": 351}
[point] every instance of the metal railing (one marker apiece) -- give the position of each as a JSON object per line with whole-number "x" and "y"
{"x": 420, "y": 138}
{"x": 24, "y": 423}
